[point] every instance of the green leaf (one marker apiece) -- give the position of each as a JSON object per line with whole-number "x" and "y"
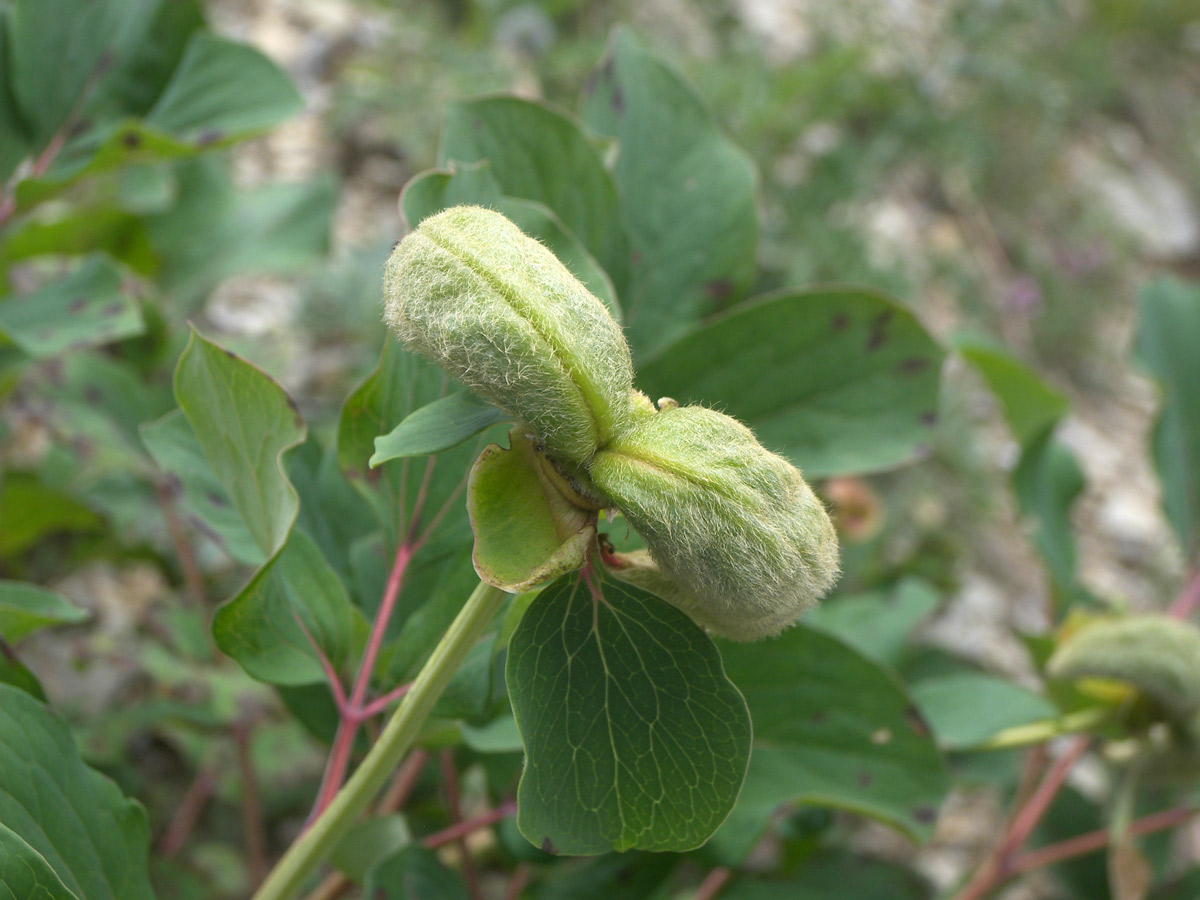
{"x": 30, "y": 511}
{"x": 92, "y": 305}
{"x": 26, "y": 608}
{"x": 221, "y": 89}
{"x": 260, "y": 628}
{"x": 369, "y": 843}
{"x": 877, "y": 623}
{"x": 967, "y": 708}
{"x": 13, "y": 672}
{"x": 1030, "y": 405}
{"x": 526, "y": 532}
{"x": 61, "y": 48}
{"x": 831, "y": 728}
{"x": 687, "y": 195}
{"x": 244, "y": 422}
{"x": 217, "y": 229}
{"x": 1168, "y": 334}
{"x": 93, "y": 838}
{"x": 1047, "y": 480}
{"x": 431, "y": 192}
{"x": 177, "y": 451}
{"x": 437, "y": 426}
{"x": 540, "y": 153}
{"x": 413, "y": 873}
{"x": 16, "y": 144}
{"x": 634, "y": 737}
{"x": 833, "y": 876}
{"x": 25, "y": 874}
{"x": 853, "y": 383}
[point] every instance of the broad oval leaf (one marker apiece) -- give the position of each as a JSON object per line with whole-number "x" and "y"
{"x": 634, "y": 737}
{"x": 92, "y": 305}
{"x": 966, "y": 708}
{"x": 831, "y": 728}
{"x": 842, "y": 380}
{"x": 1168, "y": 334}
{"x": 25, "y": 874}
{"x": 539, "y": 153}
{"x": 437, "y": 426}
{"x": 26, "y": 608}
{"x": 223, "y": 89}
{"x": 91, "y": 836}
{"x": 687, "y": 195}
{"x": 1030, "y": 405}
{"x": 244, "y": 422}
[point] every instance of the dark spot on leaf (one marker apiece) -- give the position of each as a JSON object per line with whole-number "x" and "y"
{"x": 929, "y": 418}
{"x": 352, "y": 474}
{"x": 548, "y": 845}
{"x": 912, "y": 365}
{"x": 917, "y": 722}
{"x": 373, "y": 475}
{"x": 112, "y": 309}
{"x": 865, "y": 779}
{"x": 215, "y": 499}
{"x": 817, "y": 718}
{"x": 924, "y": 814}
{"x": 92, "y": 395}
{"x": 131, "y": 139}
{"x": 79, "y": 304}
{"x": 878, "y": 333}
{"x": 54, "y": 370}
{"x": 618, "y": 100}
{"x": 718, "y": 289}
{"x": 83, "y": 448}
{"x": 211, "y": 136}
{"x": 589, "y": 84}
{"x": 840, "y": 322}
{"x": 78, "y": 127}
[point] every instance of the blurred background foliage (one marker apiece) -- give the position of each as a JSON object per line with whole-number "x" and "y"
{"x": 1015, "y": 171}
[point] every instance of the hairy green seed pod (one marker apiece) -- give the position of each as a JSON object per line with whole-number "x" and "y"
{"x": 497, "y": 310}
{"x": 1158, "y": 655}
{"x": 744, "y": 544}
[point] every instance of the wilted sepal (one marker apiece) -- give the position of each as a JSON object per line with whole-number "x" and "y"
{"x": 742, "y": 542}
{"x": 1158, "y": 655}
{"x": 526, "y": 531}
{"x": 496, "y": 309}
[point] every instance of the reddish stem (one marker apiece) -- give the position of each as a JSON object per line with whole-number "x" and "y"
{"x": 190, "y": 807}
{"x": 517, "y": 884}
{"x": 193, "y": 578}
{"x": 252, "y": 820}
{"x": 713, "y": 884}
{"x": 1095, "y": 840}
{"x": 386, "y": 608}
{"x": 1187, "y": 601}
{"x": 998, "y": 867}
{"x": 483, "y": 820}
{"x": 454, "y": 804}
{"x": 404, "y": 781}
{"x": 379, "y": 704}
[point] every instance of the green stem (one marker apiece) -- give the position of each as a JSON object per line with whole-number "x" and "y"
{"x": 1037, "y": 732}
{"x": 331, "y": 826}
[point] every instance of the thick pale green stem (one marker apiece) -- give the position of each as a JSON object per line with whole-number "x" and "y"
{"x": 321, "y": 836}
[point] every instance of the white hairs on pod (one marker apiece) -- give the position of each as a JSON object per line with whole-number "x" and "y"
{"x": 744, "y": 544}
{"x": 497, "y": 310}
